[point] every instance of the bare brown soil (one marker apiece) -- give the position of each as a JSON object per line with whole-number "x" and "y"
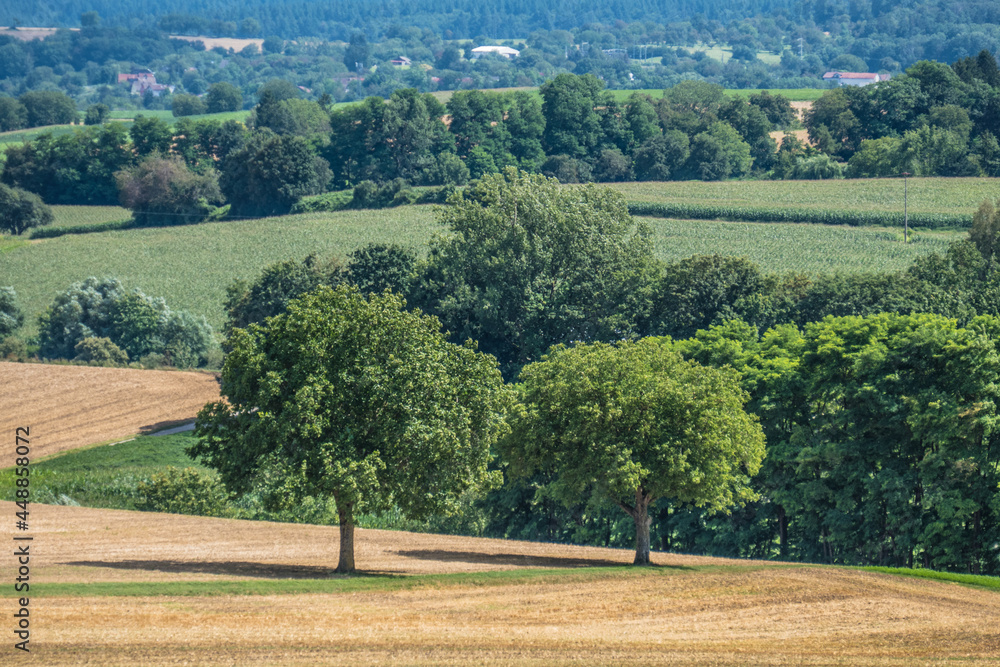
{"x": 776, "y": 615}
{"x": 801, "y": 135}
{"x": 225, "y": 42}
{"x": 73, "y": 406}
{"x": 801, "y": 107}
{"x": 28, "y": 34}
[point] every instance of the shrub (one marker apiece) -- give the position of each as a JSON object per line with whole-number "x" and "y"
{"x": 100, "y": 352}
{"x": 21, "y": 210}
{"x": 187, "y": 105}
{"x": 11, "y": 317}
{"x": 183, "y": 491}
{"x": 163, "y": 191}
{"x": 138, "y": 324}
{"x": 13, "y": 349}
{"x": 96, "y": 114}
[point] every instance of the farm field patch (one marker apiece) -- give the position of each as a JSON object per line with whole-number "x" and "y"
{"x": 924, "y": 195}
{"x": 73, "y": 406}
{"x": 223, "y": 591}
{"x": 191, "y": 266}
{"x": 781, "y": 247}
{"x": 72, "y": 216}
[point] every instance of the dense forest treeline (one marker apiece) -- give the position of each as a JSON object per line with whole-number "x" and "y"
{"x": 871, "y": 29}
{"x": 632, "y": 46}
{"x": 932, "y": 120}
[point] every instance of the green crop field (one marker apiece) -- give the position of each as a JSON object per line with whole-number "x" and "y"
{"x": 191, "y": 266}
{"x": 73, "y": 216}
{"x": 780, "y": 247}
{"x": 22, "y": 136}
{"x": 105, "y": 476}
{"x": 168, "y": 116}
{"x": 924, "y": 195}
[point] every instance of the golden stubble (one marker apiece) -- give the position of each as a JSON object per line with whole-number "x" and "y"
{"x": 74, "y": 406}
{"x": 781, "y": 616}
{"x": 775, "y": 614}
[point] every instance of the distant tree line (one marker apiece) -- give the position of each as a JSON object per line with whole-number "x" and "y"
{"x": 638, "y": 52}
{"x": 294, "y": 147}
{"x": 935, "y": 120}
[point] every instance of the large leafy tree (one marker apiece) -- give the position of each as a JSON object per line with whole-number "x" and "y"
{"x": 163, "y": 191}
{"x": 279, "y": 283}
{"x": 48, "y": 107}
{"x": 75, "y": 168}
{"x": 635, "y": 422}
{"x": 270, "y": 173}
{"x": 21, "y": 210}
{"x": 356, "y": 399}
{"x": 223, "y": 96}
{"x": 572, "y": 124}
{"x": 530, "y": 263}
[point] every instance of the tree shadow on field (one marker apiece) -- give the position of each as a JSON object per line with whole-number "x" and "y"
{"x": 230, "y": 568}
{"x": 174, "y": 425}
{"x": 523, "y": 560}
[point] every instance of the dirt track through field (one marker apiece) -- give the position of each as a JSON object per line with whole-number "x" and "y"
{"x": 73, "y": 406}
{"x": 773, "y": 615}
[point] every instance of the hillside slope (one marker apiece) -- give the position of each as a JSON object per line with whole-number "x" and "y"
{"x": 689, "y": 611}
{"x": 73, "y": 406}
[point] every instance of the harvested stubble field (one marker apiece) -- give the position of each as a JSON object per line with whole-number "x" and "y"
{"x": 224, "y": 592}
{"x": 74, "y": 406}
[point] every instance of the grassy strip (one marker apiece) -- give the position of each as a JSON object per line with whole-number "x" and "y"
{"x": 975, "y": 580}
{"x": 103, "y": 476}
{"x": 53, "y": 232}
{"x": 365, "y": 583}
{"x": 815, "y": 216}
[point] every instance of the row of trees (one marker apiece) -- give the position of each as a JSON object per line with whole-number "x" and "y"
{"x": 934, "y": 121}
{"x": 881, "y": 447}
{"x": 297, "y": 147}
{"x": 99, "y": 321}
{"x": 36, "y": 108}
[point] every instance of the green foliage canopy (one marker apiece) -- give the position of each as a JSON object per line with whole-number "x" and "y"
{"x": 635, "y": 422}
{"x": 357, "y": 399}
{"x": 529, "y": 264}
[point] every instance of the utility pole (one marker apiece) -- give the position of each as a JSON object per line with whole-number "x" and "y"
{"x": 906, "y": 219}
{"x": 800, "y": 46}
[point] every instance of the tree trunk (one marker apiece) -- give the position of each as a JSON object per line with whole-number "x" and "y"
{"x": 346, "y": 516}
{"x": 642, "y": 523}
{"x": 782, "y": 533}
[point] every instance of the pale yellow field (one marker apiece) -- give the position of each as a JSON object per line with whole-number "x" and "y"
{"x": 688, "y": 611}
{"x": 225, "y": 42}
{"x": 67, "y": 407}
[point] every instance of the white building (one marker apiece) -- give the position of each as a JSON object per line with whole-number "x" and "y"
{"x": 855, "y": 78}
{"x": 504, "y": 51}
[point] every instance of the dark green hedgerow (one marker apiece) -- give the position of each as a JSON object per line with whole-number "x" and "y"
{"x": 815, "y": 216}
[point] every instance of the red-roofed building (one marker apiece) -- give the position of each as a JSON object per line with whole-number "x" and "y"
{"x": 855, "y": 78}
{"x": 137, "y": 75}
